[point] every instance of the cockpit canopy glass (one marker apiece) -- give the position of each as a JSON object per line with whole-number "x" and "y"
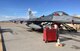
{"x": 59, "y": 13}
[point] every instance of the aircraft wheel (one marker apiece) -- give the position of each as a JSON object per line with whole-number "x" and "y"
{"x": 33, "y": 29}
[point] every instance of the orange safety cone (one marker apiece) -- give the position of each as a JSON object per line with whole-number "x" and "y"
{"x": 58, "y": 44}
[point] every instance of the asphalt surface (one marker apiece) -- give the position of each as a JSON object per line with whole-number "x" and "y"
{"x": 18, "y": 37}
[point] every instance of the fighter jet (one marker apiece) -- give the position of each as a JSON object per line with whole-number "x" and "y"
{"x": 59, "y": 17}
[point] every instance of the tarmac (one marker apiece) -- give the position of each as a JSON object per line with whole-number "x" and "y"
{"x": 18, "y": 37}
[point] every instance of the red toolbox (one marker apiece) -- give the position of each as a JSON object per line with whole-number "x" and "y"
{"x": 49, "y": 34}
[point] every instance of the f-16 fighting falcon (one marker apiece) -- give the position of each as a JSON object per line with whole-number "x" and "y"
{"x": 58, "y": 17}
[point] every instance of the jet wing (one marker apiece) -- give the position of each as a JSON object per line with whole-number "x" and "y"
{"x": 66, "y": 19}
{"x": 76, "y": 20}
{"x": 59, "y": 19}
{"x": 62, "y": 19}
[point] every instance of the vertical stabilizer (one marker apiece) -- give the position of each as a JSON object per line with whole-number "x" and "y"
{"x": 30, "y": 13}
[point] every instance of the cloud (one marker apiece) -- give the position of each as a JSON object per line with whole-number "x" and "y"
{"x": 4, "y": 18}
{"x": 34, "y": 12}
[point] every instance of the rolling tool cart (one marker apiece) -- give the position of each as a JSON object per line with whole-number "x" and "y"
{"x": 49, "y": 34}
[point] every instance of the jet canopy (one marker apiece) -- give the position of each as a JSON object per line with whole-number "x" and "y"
{"x": 59, "y": 13}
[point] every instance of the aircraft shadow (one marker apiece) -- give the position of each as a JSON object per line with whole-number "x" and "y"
{"x": 72, "y": 34}
{"x": 68, "y": 38}
{"x": 65, "y": 32}
{"x": 75, "y": 47}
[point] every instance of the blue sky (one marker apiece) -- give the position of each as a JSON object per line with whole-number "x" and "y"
{"x": 10, "y": 9}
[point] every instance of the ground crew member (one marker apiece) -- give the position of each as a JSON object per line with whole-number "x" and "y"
{"x": 57, "y": 30}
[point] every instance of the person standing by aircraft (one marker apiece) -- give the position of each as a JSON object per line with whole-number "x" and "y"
{"x": 56, "y": 26}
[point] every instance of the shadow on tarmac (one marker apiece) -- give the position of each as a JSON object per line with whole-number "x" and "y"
{"x": 67, "y": 38}
{"x": 2, "y": 38}
{"x": 75, "y": 47}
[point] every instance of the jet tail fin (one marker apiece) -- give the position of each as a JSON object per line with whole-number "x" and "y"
{"x": 30, "y": 14}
